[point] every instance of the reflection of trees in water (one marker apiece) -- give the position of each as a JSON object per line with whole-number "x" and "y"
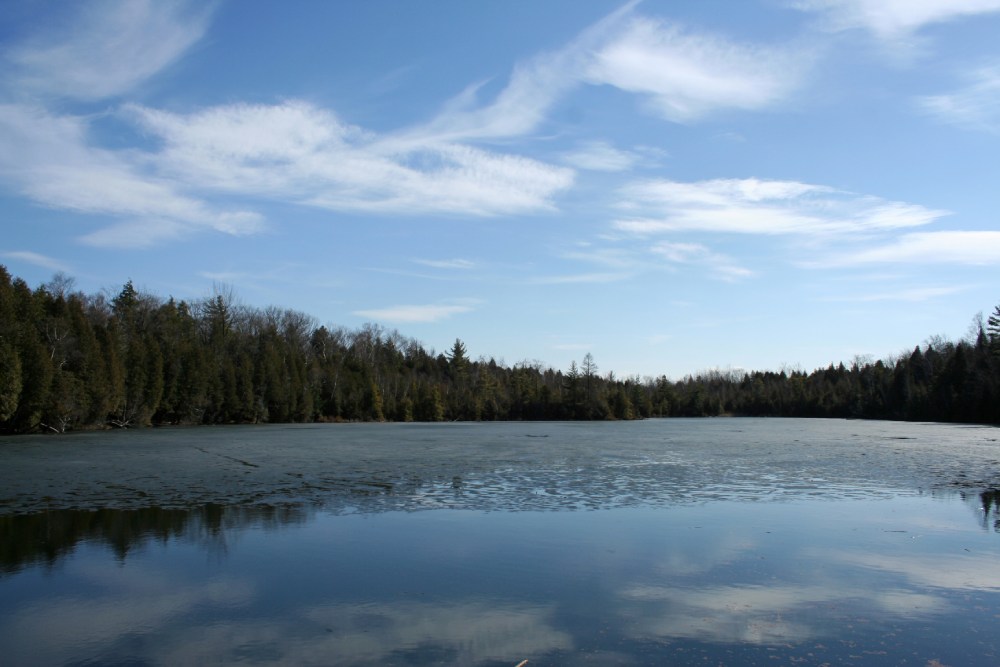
{"x": 46, "y": 537}
{"x": 43, "y": 538}
{"x": 990, "y": 505}
{"x": 986, "y": 505}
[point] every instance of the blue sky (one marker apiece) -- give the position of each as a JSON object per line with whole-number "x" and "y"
{"x": 671, "y": 186}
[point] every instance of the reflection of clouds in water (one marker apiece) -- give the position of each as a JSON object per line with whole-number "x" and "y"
{"x": 754, "y": 614}
{"x": 474, "y": 632}
{"x": 703, "y": 553}
{"x": 64, "y": 629}
{"x": 454, "y": 633}
{"x": 968, "y": 573}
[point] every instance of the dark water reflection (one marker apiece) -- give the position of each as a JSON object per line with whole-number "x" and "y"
{"x": 880, "y": 581}
{"x": 46, "y": 537}
{"x": 735, "y": 547}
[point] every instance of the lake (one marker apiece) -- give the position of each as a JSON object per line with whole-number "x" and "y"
{"x": 682, "y": 542}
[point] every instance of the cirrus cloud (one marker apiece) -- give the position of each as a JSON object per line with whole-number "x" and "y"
{"x": 51, "y": 160}
{"x": 768, "y": 207}
{"x": 301, "y": 153}
{"x": 719, "y": 265}
{"x": 976, "y": 106}
{"x": 36, "y": 259}
{"x": 971, "y": 248}
{"x": 893, "y": 19}
{"x": 418, "y": 313}
{"x": 109, "y": 49}
{"x": 685, "y": 75}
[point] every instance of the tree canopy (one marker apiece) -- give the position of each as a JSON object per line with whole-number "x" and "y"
{"x": 71, "y": 361}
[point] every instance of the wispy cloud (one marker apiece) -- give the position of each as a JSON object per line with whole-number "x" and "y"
{"x": 290, "y": 153}
{"x": 295, "y": 152}
{"x": 976, "y": 106}
{"x": 600, "y": 156}
{"x": 577, "y": 278}
{"x": 894, "y": 22}
{"x": 418, "y": 313}
{"x": 616, "y": 258}
{"x": 36, "y": 259}
{"x": 752, "y": 206}
{"x": 462, "y": 264}
{"x": 533, "y": 89}
{"x": 49, "y": 159}
{"x": 914, "y": 294}
{"x": 975, "y": 248}
{"x": 719, "y": 265}
{"x": 111, "y": 46}
{"x": 686, "y": 75}
{"x": 895, "y": 19}
{"x": 304, "y": 154}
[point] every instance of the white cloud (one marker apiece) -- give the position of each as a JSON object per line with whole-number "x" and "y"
{"x": 895, "y": 19}
{"x": 417, "y": 313}
{"x": 36, "y": 259}
{"x": 292, "y": 152}
{"x": 112, "y": 46}
{"x": 752, "y": 206}
{"x": 897, "y": 25}
{"x": 723, "y": 267}
{"x": 462, "y": 264}
{"x": 300, "y": 153}
{"x": 814, "y": 214}
{"x": 577, "y": 278}
{"x": 687, "y": 75}
{"x": 615, "y": 258}
{"x": 534, "y": 88}
{"x": 50, "y": 160}
{"x": 105, "y": 50}
{"x": 600, "y": 156}
{"x": 684, "y": 74}
{"x": 136, "y": 233}
{"x": 976, "y": 106}
{"x": 975, "y": 248}
{"x": 914, "y": 294}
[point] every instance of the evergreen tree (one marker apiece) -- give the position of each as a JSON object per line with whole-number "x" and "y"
{"x": 11, "y": 379}
{"x": 993, "y": 330}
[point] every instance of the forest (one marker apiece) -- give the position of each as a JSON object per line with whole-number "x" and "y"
{"x": 72, "y": 361}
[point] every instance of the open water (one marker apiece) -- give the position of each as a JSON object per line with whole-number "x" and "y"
{"x": 681, "y": 542}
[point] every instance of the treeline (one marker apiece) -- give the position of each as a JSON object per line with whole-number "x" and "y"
{"x": 71, "y": 361}
{"x": 944, "y": 381}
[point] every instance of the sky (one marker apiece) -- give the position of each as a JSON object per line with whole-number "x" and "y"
{"x": 672, "y": 186}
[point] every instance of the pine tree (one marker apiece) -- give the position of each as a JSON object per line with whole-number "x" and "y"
{"x": 993, "y": 330}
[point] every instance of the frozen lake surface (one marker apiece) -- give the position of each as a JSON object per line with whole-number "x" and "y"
{"x": 726, "y": 541}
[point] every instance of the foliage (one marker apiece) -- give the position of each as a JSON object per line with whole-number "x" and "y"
{"x": 73, "y": 361}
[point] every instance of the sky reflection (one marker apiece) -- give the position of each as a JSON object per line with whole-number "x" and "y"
{"x": 675, "y": 542}
{"x": 456, "y": 587}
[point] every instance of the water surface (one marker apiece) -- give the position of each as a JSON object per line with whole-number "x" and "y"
{"x": 658, "y": 542}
